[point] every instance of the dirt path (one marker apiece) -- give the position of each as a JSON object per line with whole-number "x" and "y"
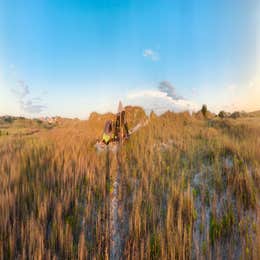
{"x": 115, "y": 235}
{"x": 118, "y": 223}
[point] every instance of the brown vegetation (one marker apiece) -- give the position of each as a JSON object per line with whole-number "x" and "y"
{"x": 189, "y": 189}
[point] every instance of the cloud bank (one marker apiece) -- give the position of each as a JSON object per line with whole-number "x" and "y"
{"x": 163, "y": 99}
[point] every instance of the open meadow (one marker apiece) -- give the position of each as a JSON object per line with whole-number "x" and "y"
{"x": 188, "y": 187}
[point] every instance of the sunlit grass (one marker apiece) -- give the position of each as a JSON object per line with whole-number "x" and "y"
{"x": 189, "y": 189}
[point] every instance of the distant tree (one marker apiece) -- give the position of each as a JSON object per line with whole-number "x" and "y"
{"x": 8, "y": 119}
{"x": 38, "y": 121}
{"x": 222, "y": 114}
{"x": 204, "y": 110}
{"x": 235, "y": 114}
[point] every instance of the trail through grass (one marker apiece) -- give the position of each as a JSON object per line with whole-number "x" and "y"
{"x": 182, "y": 187}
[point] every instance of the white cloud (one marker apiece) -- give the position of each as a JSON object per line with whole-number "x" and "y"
{"x": 147, "y": 93}
{"x": 160, "y": 101}
{"x": 149, "y": 53}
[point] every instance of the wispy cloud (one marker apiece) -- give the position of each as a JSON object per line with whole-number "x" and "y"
{"x": 151, "y": 54}
{"x": 20, "y": 90}
{"x": 31, "y": 105}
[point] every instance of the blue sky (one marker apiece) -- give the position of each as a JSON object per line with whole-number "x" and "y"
{"x": 69, "y": 58}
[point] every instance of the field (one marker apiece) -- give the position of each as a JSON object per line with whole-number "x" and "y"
{"x": 187, "y": 187}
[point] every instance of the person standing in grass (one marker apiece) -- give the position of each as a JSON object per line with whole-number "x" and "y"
{"x": 108, "y": 134}
{"x": 121, "y": 127}
{"x": 118, "y": 130}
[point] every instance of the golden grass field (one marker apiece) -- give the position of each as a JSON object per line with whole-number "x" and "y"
{"x": 189, "y": 188}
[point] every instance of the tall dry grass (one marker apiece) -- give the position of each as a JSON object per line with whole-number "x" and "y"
{"x": 192, "y": 189}
{"x": 189, "y": 188}
{"x": 52, "y": 195}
